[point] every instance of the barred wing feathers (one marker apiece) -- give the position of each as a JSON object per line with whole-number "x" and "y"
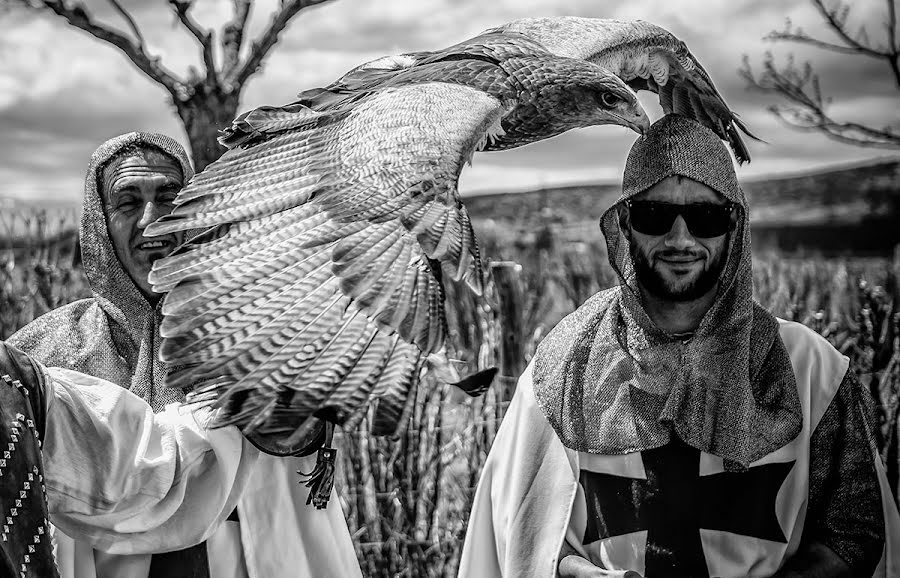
{"x": 317, "y": 284}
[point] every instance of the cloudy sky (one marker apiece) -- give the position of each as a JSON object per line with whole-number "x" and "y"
{"x": 62, "y": 92}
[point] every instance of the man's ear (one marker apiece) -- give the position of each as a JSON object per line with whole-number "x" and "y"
{"x": 624, "y": 220}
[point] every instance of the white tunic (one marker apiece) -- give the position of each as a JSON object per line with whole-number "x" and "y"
{"x": 127, "y": 482}
{"x": 529, "y": 490}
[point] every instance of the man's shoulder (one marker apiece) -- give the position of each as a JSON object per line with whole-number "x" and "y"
{"x": 819, "y": 368}
{"x": 593, "y": 305}
{"x": 800, "y": 339}
{"x": 48, "y": 327}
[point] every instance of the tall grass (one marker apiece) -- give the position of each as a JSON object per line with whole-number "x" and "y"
{"x": 40, "y": 265}
{"x": 406, "y": 499}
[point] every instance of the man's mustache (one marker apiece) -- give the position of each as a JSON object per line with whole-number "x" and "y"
{"x": 679, "y": 254}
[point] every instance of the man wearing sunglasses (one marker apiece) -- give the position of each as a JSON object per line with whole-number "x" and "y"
{"x": 671, "y": 426}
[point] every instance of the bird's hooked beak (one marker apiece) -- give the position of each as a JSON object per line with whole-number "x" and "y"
{"x": 639, "y": 122}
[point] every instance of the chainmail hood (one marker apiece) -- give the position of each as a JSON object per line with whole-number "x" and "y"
{"x": 611, "y": 382}
{"x": 112, "y": 286}
{"x": 114, "y": 334}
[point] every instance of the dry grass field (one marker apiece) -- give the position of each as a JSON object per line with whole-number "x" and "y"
{"x": 407, "y": 499}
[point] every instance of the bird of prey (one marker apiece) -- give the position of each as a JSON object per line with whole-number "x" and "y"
{"x": 315, "y": 288}
{"x": 644, "y": 55}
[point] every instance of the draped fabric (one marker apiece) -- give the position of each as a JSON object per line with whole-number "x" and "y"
{"x": 26, "y": 549}
{"x": 611, "y": 382}
{"x": 529, "y": 503}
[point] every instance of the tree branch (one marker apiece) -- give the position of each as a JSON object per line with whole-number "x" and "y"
{"x": 894, "y": 41}
{"x": 78, "y": 17}
{"x": 801, "y": 38}
{"x": 289, "y": 9}
{"x": 131, "y": 23}
{"x": 838, "y": 25}
{"x": 233, "y": 37}
{"x": 205, "y": 38}
{"x": 892, "y": 27}
{"x": 801, "y": 87}
{"x": 845, "y": 132}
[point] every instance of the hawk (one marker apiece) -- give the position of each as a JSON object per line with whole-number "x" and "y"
{"x": 314, "y": 288}
{"x": 642, "y": 54}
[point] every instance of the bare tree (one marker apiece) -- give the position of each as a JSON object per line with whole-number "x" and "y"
{"x": 206, "y": 99}
{"x": 799, "y": 84}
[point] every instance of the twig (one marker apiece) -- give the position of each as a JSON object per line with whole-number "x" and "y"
{"x": 802, "y": 88}
{"x": 131, "y": 23}
{"x": 77, "y": 16}
{"x": 840, "y": 28}
{"x": 205, "y": 38}
{"x": 233, "y": 37}
{"x": 261, "y": 47}
{"x": 804, "y": 39}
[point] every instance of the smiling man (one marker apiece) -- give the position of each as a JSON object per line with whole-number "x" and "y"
{"x": 113, "y": 336}
{"x": 131, "y": 180}
{"x": 671, "y": 426}
{"x": 139, "y": 185}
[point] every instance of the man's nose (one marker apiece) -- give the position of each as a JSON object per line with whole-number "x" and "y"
{"x": 679, "y": 237}
{"x": 150, "y": 213}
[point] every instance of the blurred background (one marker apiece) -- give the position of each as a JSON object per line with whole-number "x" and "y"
{"x": 819, "y": 82}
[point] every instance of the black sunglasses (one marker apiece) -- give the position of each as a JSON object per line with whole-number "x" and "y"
{"x": 703, "y": 220}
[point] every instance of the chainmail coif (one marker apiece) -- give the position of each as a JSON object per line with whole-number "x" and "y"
{"x": 112, "y": 335}
{"x": 611, "y": 382}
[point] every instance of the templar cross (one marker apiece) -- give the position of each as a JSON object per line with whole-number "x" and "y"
{"x": 674, "y": 502}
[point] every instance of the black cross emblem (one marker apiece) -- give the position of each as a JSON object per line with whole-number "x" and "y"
{"x": 674, "y": 502}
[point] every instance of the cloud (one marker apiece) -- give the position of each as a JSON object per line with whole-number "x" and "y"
{"x": 62, "y": 92}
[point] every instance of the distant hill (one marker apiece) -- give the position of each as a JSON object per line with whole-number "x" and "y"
{"x": 840, "y": 195}
{"x": 853, "y": 207}
{"x": 846, "y": 193}
{"x": 846, "y": 210}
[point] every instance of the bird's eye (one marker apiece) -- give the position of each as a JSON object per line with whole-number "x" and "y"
{"x": 609, "y": 100}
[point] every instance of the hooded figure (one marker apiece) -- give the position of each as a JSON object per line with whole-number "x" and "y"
{"x": 114, "y": 335}
{"x": 722, "y": 449}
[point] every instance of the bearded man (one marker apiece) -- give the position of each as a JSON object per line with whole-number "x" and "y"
{"x": 671, "y": 426}
{"x": 131, "y": 181}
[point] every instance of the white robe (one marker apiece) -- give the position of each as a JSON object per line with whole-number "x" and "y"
{"x": 524, "y": 500}
{"x": 128, "y": 482}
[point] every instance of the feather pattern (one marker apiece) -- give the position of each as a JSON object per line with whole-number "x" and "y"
{"x": 316, "y": 289}
{"x": 642, "y": 54}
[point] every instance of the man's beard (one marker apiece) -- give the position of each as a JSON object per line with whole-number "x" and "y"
{"x": 653, "y": 282}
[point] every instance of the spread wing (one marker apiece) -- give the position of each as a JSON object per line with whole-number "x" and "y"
{"x": 490, "y": 47}
{"x": 317, "y": 286}
{"x": 647, "y": 57}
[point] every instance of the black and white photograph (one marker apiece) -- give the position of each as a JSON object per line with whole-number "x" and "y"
{"x": 446, "y": 288}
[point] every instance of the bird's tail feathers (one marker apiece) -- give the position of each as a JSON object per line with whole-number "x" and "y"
{"x": 443, "y": 370}
{"x": 737, "y": 143}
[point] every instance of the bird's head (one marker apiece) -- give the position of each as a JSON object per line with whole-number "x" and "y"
{"x": 586, "y": 94}
{"x": 563, "y": 93}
